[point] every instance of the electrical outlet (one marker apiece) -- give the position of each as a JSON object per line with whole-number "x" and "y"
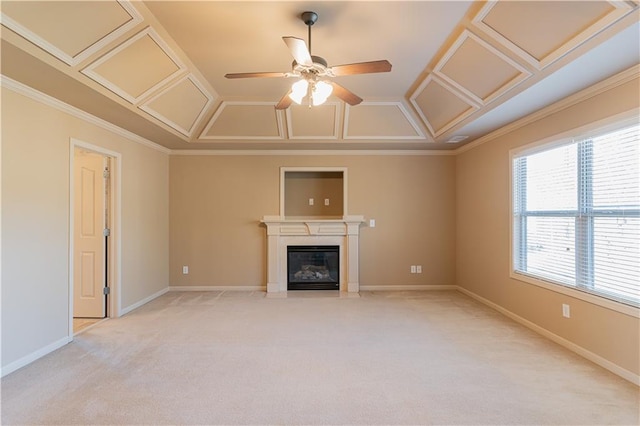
{"x": 326, "y": 201}
{"x": 185, "y": 270}
{"x": 310, "y": 201}
{"x": 418, "y": 269}
{"x": 566, "y": 310}
{"x": 413, "y": 269}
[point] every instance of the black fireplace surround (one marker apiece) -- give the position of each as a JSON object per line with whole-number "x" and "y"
{"x": 313, "y": 267}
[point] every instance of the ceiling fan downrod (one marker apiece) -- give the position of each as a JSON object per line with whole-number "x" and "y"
{"x": 309, "y": 18}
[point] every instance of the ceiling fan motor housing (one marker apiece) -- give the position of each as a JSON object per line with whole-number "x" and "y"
{"x": 319, "y": 68}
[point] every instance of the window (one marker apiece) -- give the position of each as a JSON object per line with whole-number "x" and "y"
{"x": 576, "y": 214}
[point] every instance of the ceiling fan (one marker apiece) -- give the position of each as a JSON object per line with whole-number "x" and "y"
{"x": 312, "y": 72}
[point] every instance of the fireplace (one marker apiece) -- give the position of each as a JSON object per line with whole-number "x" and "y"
{"x": 284, "y": 232}
{"x": 313, "y": 267}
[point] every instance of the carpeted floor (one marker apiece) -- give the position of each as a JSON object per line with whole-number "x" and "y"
{"x": 434, "y": 357}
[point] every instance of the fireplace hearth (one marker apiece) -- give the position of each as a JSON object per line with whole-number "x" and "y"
{"x": 313, "y": 267}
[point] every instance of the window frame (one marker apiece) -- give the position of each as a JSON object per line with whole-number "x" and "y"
{"x": 591, "y": 130}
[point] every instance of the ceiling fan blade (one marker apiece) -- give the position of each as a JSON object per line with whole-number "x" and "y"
{"x": 255, "y": 74}
{"x": 299, "y": 50}
{"x": 285, "y": 101}
{"x": 362, "y": 68}
{"x": 345, "y": 94}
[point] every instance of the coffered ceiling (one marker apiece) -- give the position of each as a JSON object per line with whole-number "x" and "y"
{"x": 460, "y": 69}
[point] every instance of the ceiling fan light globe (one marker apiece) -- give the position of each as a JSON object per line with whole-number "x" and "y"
{"x": 321, "y": 92}
{"x": 299, "y": 91}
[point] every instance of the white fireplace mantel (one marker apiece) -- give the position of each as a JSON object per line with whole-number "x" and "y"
{"x": 283, "y": 232}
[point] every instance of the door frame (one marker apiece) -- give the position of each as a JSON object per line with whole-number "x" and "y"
{"x": 114, "y": 248}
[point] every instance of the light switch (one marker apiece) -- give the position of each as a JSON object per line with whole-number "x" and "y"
{"x": 310, "y": 201}
{"x": 372, "y": 223}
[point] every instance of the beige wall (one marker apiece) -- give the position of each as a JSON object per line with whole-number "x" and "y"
{"x": 448, "y": 214}
{"x": 217, "y": 202}
{"x": 35, "y": 221}
{"x": 483, "y": 220}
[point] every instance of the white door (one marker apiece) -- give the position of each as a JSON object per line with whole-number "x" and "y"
{"x": 89, "y": 261}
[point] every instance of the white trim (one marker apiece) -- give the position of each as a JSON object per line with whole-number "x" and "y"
{"x": 607, "y": 124}
{"x": 601, "y": 301}
{"x": 221, "y": 108}
{"x": 78, "y": 113}
{"x": 604, "y": 125}
{"x": 473, "y": 106}
{"x": 621, "y": 9}
{"x": 273, "y": 152}
{"x": 176, "y": 288}
{"x": 597, "y": 359}
{"x": 590, "y": 92}
{"x": 28, "y": 359}
{"x": 466, "y": 34}
{"x": 144, "y": 301}
{"x": 94, "y": 47}
{"x": 186, "y": 132}
{"x": 90, "y": 72}
{"x": 336, "y": 124}
{"x": 409, "y": 287}
{"x": 419, "y": 133}
{"x": 115, "y": 248}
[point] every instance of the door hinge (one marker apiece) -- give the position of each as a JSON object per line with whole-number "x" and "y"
{"x": 106, "y": 174}
{"x": 106, "y": 291}
{"x": 106, "y": 232}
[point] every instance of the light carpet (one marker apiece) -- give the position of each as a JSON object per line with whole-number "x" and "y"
{"x": 433, "y": 357}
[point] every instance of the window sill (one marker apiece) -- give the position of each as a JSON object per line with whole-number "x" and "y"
{"x": 578, "y": 294}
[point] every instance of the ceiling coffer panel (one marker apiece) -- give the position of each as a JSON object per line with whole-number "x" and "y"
{"x": 137, "y": 67}
{"x": 543, "y": 32}
{"x": 244, "y": 120}
{"x": 180, "y": 105}
{"x": 319, "y": 122}
{"x": 440, "y": 106}
{"x": 478, "y": 69}
{"x": 70, "y": 30}
{"x": 380, "y": 120}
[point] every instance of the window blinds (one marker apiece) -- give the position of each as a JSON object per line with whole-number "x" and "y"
{"x": 577, "y": 214}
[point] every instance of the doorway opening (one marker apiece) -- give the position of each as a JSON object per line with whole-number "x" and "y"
{"x": 94, "y": 256}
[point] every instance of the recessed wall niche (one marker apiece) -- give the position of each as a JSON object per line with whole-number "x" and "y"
{"x": 318, "y": 192}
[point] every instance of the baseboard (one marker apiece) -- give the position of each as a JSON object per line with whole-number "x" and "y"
{"x": 144, "y": 301}
{"x": 34, "y": 356}
{"x": 217, "y": 288}
{"x": 597, "y": 359}
{"x": 406, "y": 287}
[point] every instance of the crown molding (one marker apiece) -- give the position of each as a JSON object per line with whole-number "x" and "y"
{"x": 605, "y": 85}
{"x": 38, "y": 96}
{"x": 346, "y": 152}
{"x": 598, "y": 88}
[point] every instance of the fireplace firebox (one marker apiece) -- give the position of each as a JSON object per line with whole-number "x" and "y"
{"x": 313, "y": 267}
